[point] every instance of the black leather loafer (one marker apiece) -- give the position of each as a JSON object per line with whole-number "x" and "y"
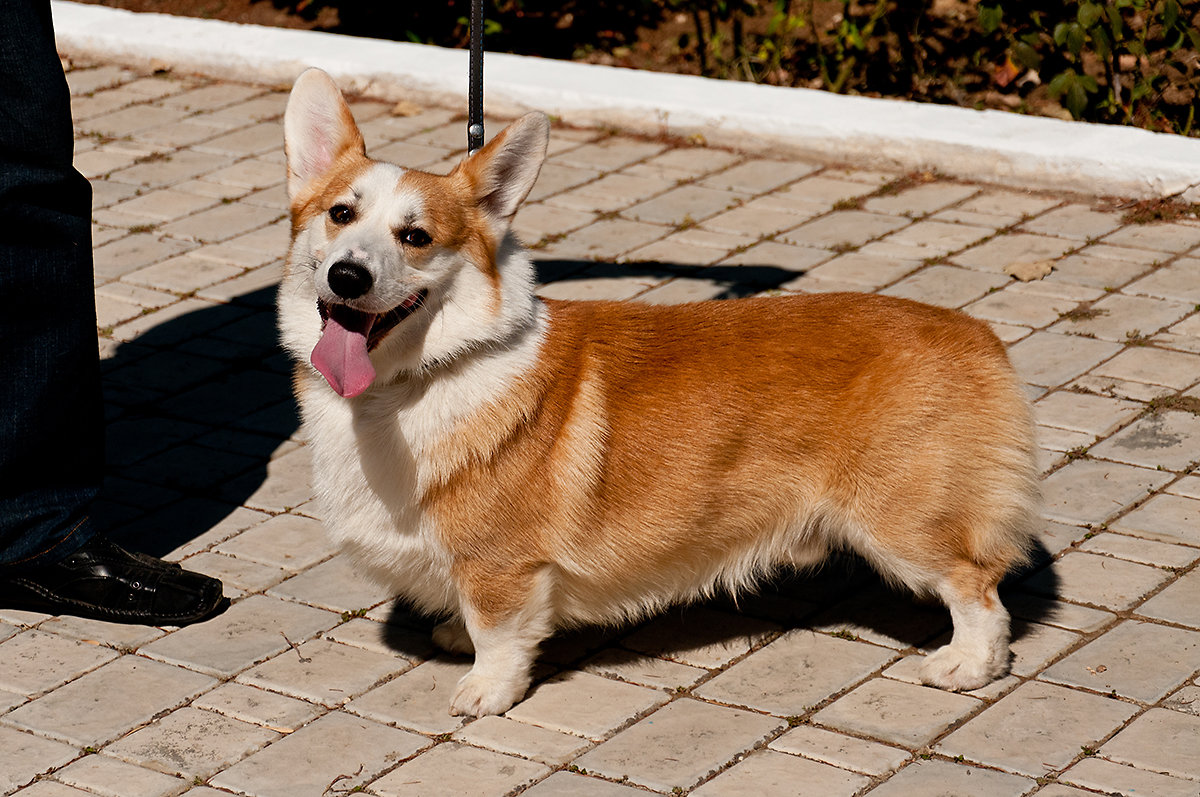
{"x": 103, "y": 581}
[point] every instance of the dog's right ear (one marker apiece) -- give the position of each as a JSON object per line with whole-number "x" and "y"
{"x": 318, "y": 130}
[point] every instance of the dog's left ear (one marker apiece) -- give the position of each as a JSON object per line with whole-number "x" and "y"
{"x": 318, "y": 130}
{"x": 503, "y": 173}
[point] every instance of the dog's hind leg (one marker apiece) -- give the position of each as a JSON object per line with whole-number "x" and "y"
{"x": 452, "y": 637}
{"x": 506, "y": 635}
{"x": 978, "y": 652}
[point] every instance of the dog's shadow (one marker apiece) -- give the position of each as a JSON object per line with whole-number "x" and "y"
{"x": 844, "y": 597}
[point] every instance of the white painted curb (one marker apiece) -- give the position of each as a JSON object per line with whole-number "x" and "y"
{"x": 990, "y": 146}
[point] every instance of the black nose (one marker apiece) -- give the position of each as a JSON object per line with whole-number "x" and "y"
{"x": 349, "y": 280}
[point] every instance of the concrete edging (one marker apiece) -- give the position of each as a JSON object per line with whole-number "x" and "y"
{"x": 990, "y": 146}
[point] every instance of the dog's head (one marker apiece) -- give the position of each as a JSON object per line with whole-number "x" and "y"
{"x": 392, "y": 269}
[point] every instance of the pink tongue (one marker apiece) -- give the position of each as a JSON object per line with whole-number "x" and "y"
{"x": 341, "y": 353}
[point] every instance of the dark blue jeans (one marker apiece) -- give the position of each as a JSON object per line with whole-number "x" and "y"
{"x": 51, "y": 422}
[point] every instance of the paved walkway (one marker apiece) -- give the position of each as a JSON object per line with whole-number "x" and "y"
{"x": 314, "y": 683}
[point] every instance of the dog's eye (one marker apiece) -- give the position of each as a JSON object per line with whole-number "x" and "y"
{"x": 415, "y": 236}
{"x": 341, "y": 214}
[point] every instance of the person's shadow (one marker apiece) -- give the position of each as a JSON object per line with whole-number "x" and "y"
{"x": 196, "y": 406}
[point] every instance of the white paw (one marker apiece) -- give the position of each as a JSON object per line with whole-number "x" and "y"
{"x": 452, "y": 637}
{"x": 478, "y": 695}
{"x": 961, "y": 671}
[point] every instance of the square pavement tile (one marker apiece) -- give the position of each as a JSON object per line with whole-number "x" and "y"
{"x": 191, "y": 743}
{"x": 336, "y": 753}
{"x": 1082, "y": 412}
{"x": 943, "y": 779}
{"x": 85, "y": 714}
{"x": 688, "y": 203}
{"x": 1048, "y": 359}
{"x": 643, "y": 670}
{"x": 1142, "y": 661}
{"x": 1109, "y": 777}
{"x": 843, "y": 228}
{"x": 1005, "y": 250}
{"x": 1098, "y": 580}
{"x": 251, "y": 631}
{"x": 1159, "y": 237}
{"x": 893, "y": 711}
{"x": 768, "y": 772}
{"x": 767, "y": 680}
{"x": 945, "y": 286}
{"x": 418, "y": 699}
{"x": 324, "y": 672}
{"x": 1167, "y": 518}
{"x": 1146, "y": 552}
{"x": 759, "y": 175}
{"x": 109, "y": 777}
{"x": 1153, "y": 366}
{"x": 258, "y": 706}
{"x": 1074, "y": 221}
{"x": 1025, "y": 309}
{"x": 1159, "y": 741}
{"x": 336, "y": 584}
{"x": 453, "y": 770}
{"x": 571, "y": 784}
{"x": 1037, "y": 728}
{"x": 1179, "y": 281}
{"x": 35, "y": 661}
{"x": 516, "y": 738}
{"x": 679, "y": 744}
{"x": 1170, "y": 440}
{"x": 1119, "y": 318}
{"x": 844, "y": 752}
{"x": 1089, "y": 492}
{"x": 1179, "y": 602}
{"x": 288, "y": 541}
{"x": 584, "y": 704}
{"x": 26, "y": 756}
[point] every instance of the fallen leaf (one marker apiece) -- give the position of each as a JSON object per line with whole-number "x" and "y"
{"x": 406, "y": 108}
{"x": 1005, "y": 73}
{"x": 1028, "y": 271}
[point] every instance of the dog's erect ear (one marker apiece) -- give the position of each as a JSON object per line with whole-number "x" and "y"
{"x": 318, "y": 129}
{"x": 503, "y": 173}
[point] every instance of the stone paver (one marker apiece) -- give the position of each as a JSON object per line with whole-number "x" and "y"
{"x": 1136, "y": 660}
{"x": 679, "y": 745}
{"x": 451, "y": 770}
{"x": 1159, "y": 741}
{"x": 315, "y": 682}
{"x": 84, "y": 712}
{"x": 1036, "y": 728}
{"x": 110, "y": 777}
{"x": 896, "y": 712}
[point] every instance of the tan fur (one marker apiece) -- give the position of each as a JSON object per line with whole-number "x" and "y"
{"x": 522, "y": 465}
{"x": 685, "y": 433}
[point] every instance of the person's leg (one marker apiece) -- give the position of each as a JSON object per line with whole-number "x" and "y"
{"x": 51, "y": 420}
{"x": 51, "y": 423}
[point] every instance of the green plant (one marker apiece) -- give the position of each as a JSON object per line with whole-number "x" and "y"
{"x": 1123, "y": 61}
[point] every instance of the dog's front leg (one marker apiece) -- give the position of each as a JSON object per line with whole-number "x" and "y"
{"x": 507, "y": 615}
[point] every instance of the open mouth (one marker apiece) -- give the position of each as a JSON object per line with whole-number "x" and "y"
{"x": 347, "y": 338}
{"x": 374, "y": 327}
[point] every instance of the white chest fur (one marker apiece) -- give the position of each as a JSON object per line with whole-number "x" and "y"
{"x": 374, "y": 458}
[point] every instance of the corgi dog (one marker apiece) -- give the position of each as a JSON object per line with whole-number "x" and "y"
{"x": 519, "y": 465}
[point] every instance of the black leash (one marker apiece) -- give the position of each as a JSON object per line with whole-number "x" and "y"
{"x": 475, "y": 91}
